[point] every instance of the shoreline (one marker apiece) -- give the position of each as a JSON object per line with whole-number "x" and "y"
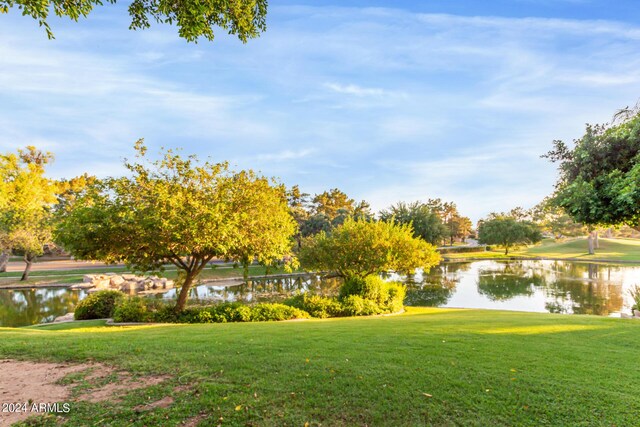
{"x": 531, "y": 258}
{"x": 203, "y": 282}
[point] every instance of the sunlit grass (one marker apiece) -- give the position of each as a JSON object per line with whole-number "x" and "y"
{"x": 627, "y": 250}
{"x": 426, "y": 367}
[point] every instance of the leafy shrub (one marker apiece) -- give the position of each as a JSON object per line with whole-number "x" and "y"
{"x": 388, "y": 296}
{"x": 234, "y": 312}
{"x": 132, "y": 309}
{"x": 396, "y": 294}
{"x": 316, "y": 305}
{"x": 264, "y": 312}
{"x": 635, "y": 294}
{"x": 355, "y": 305}
{"x": 98, "y": 305}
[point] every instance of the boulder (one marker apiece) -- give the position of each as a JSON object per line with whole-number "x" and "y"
{"x": 66, "y": 318}
{"x": 116, "y": 281}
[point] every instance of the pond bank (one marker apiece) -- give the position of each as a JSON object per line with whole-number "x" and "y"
{"x": 500, "y": 257}
{"x": 233, "y": 281}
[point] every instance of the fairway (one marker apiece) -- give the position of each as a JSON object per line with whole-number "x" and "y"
{"x": 609, "y": 249}
{"x": 626, "y": 250}
{"x": 425, "y": 367}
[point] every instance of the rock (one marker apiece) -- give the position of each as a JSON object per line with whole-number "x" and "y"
{"x": 66, "y": 318}
{"x": 87, "y": 278}
{"x": 116, "y": 281}
{"x": 129, "y": 276}
{"x": 102, "y": 284}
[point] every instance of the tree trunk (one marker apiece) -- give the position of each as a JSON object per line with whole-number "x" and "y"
{"x": 590, "y": 243}
{"x": 4, "y": 260}
{"x": 245, "y": 271}
{"x": 506, "y": 250}
{"x": 27, "y": 259}
{"x": 184, "y": 290}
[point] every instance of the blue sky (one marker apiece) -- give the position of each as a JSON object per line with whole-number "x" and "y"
{"x": 385, "y": 100}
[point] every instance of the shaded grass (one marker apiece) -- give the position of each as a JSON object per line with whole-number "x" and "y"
{"x": 627, "y": 250}
{"x": 64, "y": 326}
{"x": 426, "y": 367}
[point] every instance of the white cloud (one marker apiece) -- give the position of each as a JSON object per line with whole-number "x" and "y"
{"x": 355, "y": 90}
{"x": 383, "y": 103}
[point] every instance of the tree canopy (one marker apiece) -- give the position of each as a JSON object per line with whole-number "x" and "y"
{"x": 243, "y": 18}
{"x": 265, "y": 223}
{"x": 507, "y": 231}
{"x": 359, "y": 248}
{"x": 425, "y": 221}
{"x": 599, "y": 182}
{"x": 181, "y": 211}
{"x": 26, "y": 198}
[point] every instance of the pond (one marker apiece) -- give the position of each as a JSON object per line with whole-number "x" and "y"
{"x": 534, "y": 286}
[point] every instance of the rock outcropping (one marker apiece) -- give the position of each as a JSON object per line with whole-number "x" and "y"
{"x": 128, "y": 283}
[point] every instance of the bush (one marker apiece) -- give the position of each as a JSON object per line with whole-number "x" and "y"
{"x": 264, "y": 312}
{"x": 98, "y": 305}
{"x": 316, "y": 305}
{"x": 635, "y": 294}
{"x": 371, "y": 288}
{"x": 133, "y": 309}
{"x": 395, "y": 301}
{"x": 355, "y": 305}
{"x": 388, "y": 296}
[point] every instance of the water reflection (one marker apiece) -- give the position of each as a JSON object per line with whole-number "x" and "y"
{"x": 264, "y": 290}
{"x": 31, "y": 306}
{"x": 537, "y": 286}
{"x": 541, "y": 286}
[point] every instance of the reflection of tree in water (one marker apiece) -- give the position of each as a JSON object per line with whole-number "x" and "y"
{"x": 270, "y": 290}
{"x": 584, "y": 288}
{"x": 436, "y": 287}
{"x": 514, "y": 279}
{"x": 32, "y": 306}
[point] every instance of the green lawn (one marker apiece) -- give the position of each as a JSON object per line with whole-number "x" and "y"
{"x": 609, "y": 250}
{"x": 426, "y": 367}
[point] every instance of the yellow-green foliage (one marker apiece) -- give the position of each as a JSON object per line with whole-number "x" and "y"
{"x": 360, "y": 248}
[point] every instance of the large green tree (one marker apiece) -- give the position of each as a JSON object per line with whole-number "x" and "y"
{"x": 266, "y": 225}
{"x": 554, "y": 220}
{"x": 242, "y": 18}
{"x": 359, "y": 248}
{"x": 332, "y": 203}
{"x": 599, "y": 182}
{"x": 507, "y": 231}
{"x": 177, "y": 210}
{"x": 26, "y": 198}
{"x": 424, "y": 219}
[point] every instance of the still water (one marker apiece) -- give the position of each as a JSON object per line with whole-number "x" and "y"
{"x": 535, "y": 286}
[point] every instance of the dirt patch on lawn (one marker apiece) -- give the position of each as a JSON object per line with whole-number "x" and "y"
{"x": 27, "y": 387}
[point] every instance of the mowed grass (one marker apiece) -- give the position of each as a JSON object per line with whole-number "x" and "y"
{"x": 426, "y": 367}
{"x": 627, "y": 250}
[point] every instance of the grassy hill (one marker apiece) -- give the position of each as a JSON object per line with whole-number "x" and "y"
{"x": 609, "y": 250}
{"x": 426, "y": 367}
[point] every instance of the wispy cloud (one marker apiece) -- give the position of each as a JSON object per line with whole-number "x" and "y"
{"x": 386, "y": 104}
{"x": 355, "y": 90}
